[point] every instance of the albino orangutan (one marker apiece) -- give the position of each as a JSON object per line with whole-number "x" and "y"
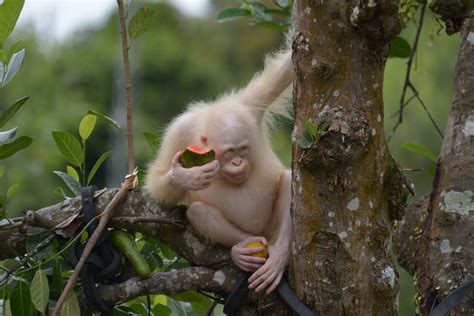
{"x": 244, "y": 194}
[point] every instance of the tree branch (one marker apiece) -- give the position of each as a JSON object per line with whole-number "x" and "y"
{"x": 173, "y": 282}
{"x": 183, "y": 239}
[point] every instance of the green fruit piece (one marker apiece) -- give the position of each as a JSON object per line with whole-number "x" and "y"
{"x": 124, "y": 242}
{"x": 196, "y": 155}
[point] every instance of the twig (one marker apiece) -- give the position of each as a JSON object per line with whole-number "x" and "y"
{"x": 129, "y": 183}
{"x": 211, "y": 308}
{"x": 128, "y": 86}
{"x": 409, "y": 84}
{"x": 30, "y": 254}
{"x": 145, "y": 219}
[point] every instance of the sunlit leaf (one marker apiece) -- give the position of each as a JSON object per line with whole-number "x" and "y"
{"x": 69, "y": 147}
{"x": 71, "y": 183}
{"x": 9, "y": 13}
{"x": 18, "y": 144}
{"x": 12, "y": 190}
{"x": 232, "y": 13}
{"x": 422, "y": 150}
{"x": 20, "y": 300}
{"x": 73, "y": 173}
{"x": 400, "y": 48}
{"x": 7, "y": 115}
{"x": 87, "y": 126}
{"x": 39, "y": 290}
{"x": 7, "y": 135}
{"x": 108, "y": 120}
{"x": 140, "y": 22}
{"x": 153, "y": 140}
{"x": 13, "y": 66}
{"x": 97, "y": 165}
{"x": 71, "y": 306}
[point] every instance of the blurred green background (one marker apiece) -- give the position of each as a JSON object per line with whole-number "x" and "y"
{"x": 181, "y": 59}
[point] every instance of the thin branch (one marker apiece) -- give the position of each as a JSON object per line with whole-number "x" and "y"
{"x": 128, "y": 86}
{"x": 172, "y": 282}
{"x": 144, "y": 219}
{"x": 129, "y": 183}
{"x": 426, "y": 110}
{"x": 408, "y": 84}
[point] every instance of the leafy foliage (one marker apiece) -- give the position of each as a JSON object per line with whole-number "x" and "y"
{"x": 9, "y": 14}
{"x": 311, "y": 134}
{"x": 275, "y": 18}
{"x": 140, "y": 22}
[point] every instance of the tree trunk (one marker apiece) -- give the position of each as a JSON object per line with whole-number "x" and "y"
{"x": 347, "y": 189}
{"x": 444, "y": 259}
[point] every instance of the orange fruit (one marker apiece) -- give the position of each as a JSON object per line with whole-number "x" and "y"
{"x": 261, "y": 254}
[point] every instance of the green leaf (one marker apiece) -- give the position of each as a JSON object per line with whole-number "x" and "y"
{"x": 232, "y": 14}
{"x": 162, "y": 310}
{"x": 305, "y": 140}
{"x": 13, "y": 66}
{"x": 272, "y": 26}
{"x": 140, "y": 22}
{"x": 199, "y": 302}
{"x": 57, "y": 279}
{"x": 167, "y": 252}
{"x": 73, "y": 173}
{"x": 20, "y": 300}
{"x": 97, "y": 165}
{"x": 2, "y": 170}
{"x": 153, "y": 140}
{"x": 12, "y": 190}
{"x": 400, "y": 48}
{"x": 15, "y": 48}
{"x": 108, "y": 120}
{"x": 71, "y": 306}
{"x": 422, "y": 150}
{"x": 310, "y": 127}
{"x": 3, "y": 58}
{"x": 7, "y": 115}
{"x": 39, "y": 290}
{"x": 59, "y": 191}
{"x": 71, "y": 183}
{"x": 70, "y": 147}
{"x": 7, "y": 135}
{"x": 18, "y": 144}
{"x": 7, "y": 311}
{"x": 9, "y": 13}
{"x": 87, "y": 126}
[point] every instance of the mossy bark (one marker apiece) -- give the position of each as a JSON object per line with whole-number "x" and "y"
{"x": 444, "y": 259}
{"x": 347, "y": 190}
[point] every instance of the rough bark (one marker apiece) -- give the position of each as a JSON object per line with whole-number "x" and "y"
{"x": 347, "y": 189}
{"x": 446, "y": 251}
